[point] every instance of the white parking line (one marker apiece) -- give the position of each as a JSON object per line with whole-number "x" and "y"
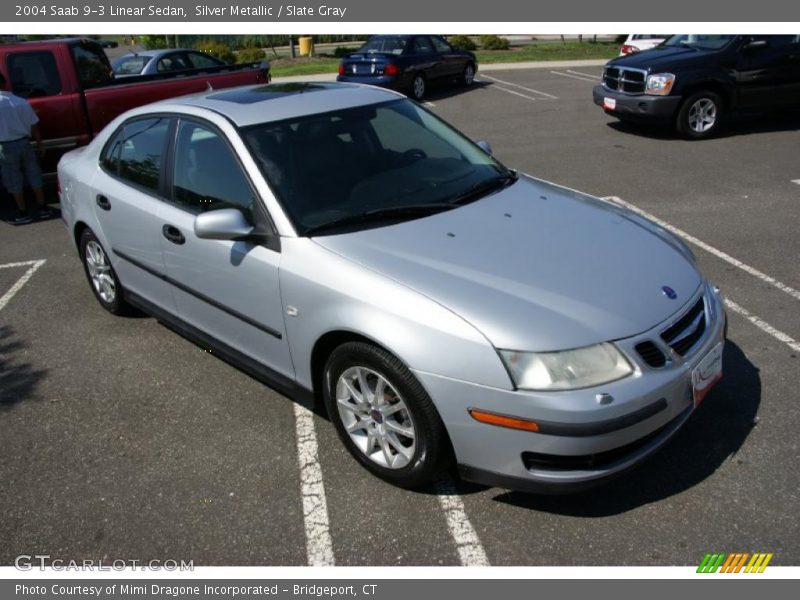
{"x": 429, "y": 104}
{"x": 319, "y": 546}
{"x": 589, "y": 75}
{"x": 574, "y": 76}
{"x": 502, "y": 89}
{"x": 763, "y": 325}
{"x": 468, "y": 545}
{"x": 797, "y": 181}
{"x": 34, "y": 265}
{"x": 522, "y": 87}
{"x": 710, "y": 249}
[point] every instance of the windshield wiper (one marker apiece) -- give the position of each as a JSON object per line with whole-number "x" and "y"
{"x": 381, "y": 214}
{"x": 486, "y": 186}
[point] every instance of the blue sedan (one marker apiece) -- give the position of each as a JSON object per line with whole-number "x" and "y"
{"x": 408, "y": 63}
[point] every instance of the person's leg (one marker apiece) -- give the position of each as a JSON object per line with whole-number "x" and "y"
{"x": 33, "y": 174}
{"x": 10, "y": 159}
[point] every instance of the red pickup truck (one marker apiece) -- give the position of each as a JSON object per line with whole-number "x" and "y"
{"x": 70, "y": 85}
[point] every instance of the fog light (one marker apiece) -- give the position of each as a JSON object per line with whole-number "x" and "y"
{"x": 503, "y": 420}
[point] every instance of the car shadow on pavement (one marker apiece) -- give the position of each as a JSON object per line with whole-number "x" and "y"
{"x": 711, "y": 437}
{"x": 18, "y": 380}
{"x": 442, "y": 91}
{"x": 734, "y": 125}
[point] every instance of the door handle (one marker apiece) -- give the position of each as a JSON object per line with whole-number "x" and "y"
{"x": 103, "y": 202}
{"x": 173, "y": 234}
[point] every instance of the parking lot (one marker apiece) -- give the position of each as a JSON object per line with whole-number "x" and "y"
{"x": 120, "y": 439}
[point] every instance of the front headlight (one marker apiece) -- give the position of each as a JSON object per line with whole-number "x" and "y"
{"x": 659, "y": 84}
{"x": 568, "y": 369}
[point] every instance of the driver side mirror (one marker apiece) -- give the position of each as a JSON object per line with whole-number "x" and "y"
{"x": 485, "y": 146}
{"x": 756, "y": 44}
{"x": 222, "y": 224}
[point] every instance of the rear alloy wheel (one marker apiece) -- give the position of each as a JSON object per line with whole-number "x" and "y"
{"x": 102, "y": 278}
{"x": 699, "y": 115}
{"x": 468, "y": 76}
{"x": 383, "y": 415}
{"x": 418, "y": 87}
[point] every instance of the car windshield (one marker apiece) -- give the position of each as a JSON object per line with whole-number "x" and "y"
{"x": 387, "y": 45}
{"x": 701, "y": 42}
{"x": 130, "y": 66}
{"x": 372, "y": 165}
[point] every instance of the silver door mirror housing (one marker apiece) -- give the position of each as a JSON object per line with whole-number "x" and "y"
{"x": 485, "y": 146}
{"x": 222, "y": 224}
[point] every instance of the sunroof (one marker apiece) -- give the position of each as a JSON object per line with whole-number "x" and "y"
{"x": 270, "y": 92}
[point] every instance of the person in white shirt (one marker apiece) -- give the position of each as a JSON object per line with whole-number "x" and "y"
{"x": 18, "y": 161}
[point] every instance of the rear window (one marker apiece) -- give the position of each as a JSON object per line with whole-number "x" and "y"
{"x": 34, "y": 74}
{"x": 136, "y": 151}
{"x": 92, "y": 65}
{"x": 387, "y": 45}
{"x": 130, "y": 66}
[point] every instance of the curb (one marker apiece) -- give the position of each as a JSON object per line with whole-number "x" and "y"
{"x": 539, "y": 64}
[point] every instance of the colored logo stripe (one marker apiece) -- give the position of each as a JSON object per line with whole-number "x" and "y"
{"x": 734, "y": 562}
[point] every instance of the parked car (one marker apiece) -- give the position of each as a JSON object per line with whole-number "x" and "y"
{"x": 108, "y": 43}
{"x": 408, "y": 63}
{"x": 70, "y": 85}
{"x": 152, "y": 62}
{"x": 341, "y": 241}
{"x": 636, "y": 42}
{"x": 692, "y": 81}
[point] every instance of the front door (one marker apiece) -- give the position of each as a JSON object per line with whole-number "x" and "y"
{"x": 227, "y": 289}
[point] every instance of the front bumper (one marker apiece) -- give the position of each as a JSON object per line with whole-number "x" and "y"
{"x": 637, "y": 106}
{"x": 587, "y": 443}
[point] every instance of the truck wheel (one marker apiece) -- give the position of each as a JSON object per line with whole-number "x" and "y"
{"x": 383, "y": 415}
{"x": 699, "y": 115}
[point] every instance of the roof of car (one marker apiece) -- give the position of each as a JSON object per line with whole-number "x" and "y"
{"x": 154, "y": 53}
{"x": 251, "y": 105}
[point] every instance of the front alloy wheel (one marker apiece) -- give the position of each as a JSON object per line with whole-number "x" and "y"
{"x": 699, "y": 115}
{"x": 384, "y": 416}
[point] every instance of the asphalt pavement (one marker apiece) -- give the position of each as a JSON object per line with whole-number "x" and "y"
{"x": 120, "y": 439}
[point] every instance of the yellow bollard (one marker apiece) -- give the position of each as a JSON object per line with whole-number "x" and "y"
{"x": 306, "y": 46}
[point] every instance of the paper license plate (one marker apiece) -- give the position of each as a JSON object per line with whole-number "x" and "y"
{"x": 707, "y": 373}
{"x": 609, "y": 103}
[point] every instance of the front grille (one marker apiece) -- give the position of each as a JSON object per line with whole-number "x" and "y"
{"x": 686, "y": 331}
{"x": 629, "y": 81}
{"x": 651, "y": 354}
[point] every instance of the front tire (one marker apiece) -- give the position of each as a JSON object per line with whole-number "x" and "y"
{"x": 383, "y": 415}
{"x": 101, "y": 275}
{"x": 699, "y": 115}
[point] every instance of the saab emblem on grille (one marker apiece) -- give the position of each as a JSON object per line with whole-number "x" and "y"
{"x": 669, "y": 292}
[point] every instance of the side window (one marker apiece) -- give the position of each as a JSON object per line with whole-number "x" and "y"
{"x": 110, "y": 158}
{"x": 34, "y": 74}
{"x": 202, "y": 61}
{"x": 441, "y": 46}
{"x": 91, "y": 64}
{"x": 172, "y": 62}
{"x": 422, "y": 45}
{"x": 137, "y": 151}
{"x": 207, "y": 175}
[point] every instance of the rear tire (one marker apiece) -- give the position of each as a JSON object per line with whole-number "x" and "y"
{"x": 102, "y": 278}
{"x": 419, "y": 87}
{"x": 468, "y": 76}
{"x": 383, "y": 415}
{"x": 699, "y": 115}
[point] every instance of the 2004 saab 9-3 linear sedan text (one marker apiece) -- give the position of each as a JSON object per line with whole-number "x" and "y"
{"x": 341, "y": 240}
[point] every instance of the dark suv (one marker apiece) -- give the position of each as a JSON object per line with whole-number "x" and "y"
{"x": 693, "y": 80}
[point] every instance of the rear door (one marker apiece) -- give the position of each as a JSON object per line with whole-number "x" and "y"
{"x": 127, "y": 195}
{"x": 227, "y": 289}
{"x": 768, "y": 73}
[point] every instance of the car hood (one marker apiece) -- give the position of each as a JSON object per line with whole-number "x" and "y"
{"x": 533, "y": 267}
{"x": 663, "y": 57}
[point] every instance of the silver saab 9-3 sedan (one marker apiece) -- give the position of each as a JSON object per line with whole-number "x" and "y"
{"x": 340, "y": 241}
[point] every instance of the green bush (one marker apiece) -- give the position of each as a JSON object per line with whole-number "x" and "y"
{"x": 153, "y": 42}
{"x": 494, "y": 42}
{"x": 340, "y": 51}
{"x": 220, "y": 51}
{"x": 462, "y": 42}
{"x": 250, "y": 55}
